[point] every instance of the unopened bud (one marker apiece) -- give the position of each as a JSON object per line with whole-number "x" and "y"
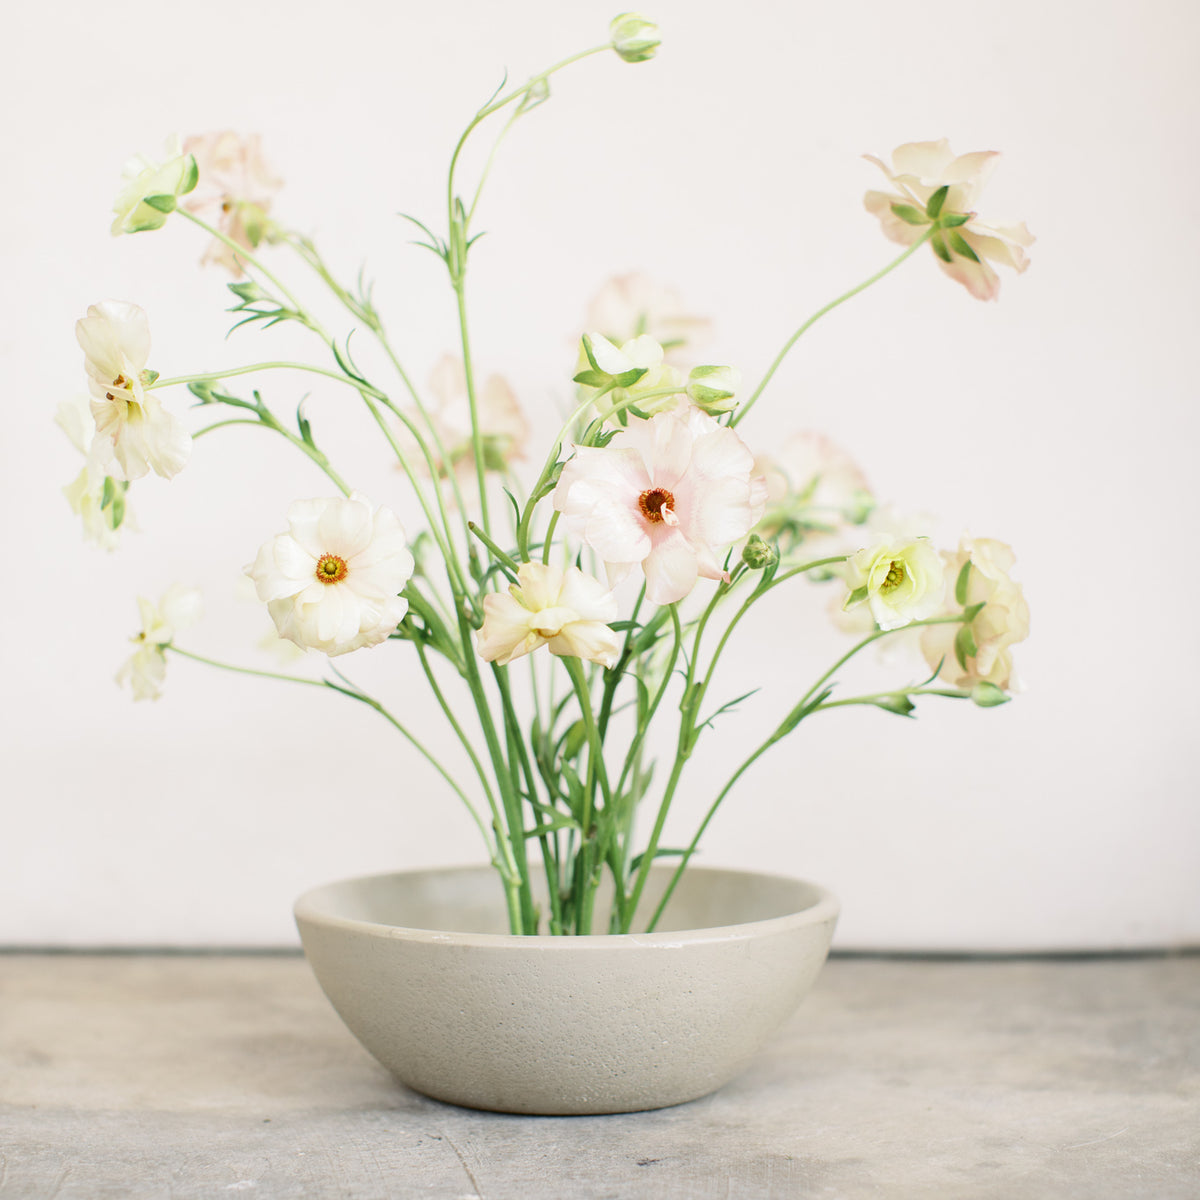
{"x": 757, "y": 554}
{"x": 713, "y": 389}
{"x": 634, "y": 38}
{"x": 988, "y": 695}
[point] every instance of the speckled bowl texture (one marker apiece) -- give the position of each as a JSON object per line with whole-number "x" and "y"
{"x": 419, "y": 967}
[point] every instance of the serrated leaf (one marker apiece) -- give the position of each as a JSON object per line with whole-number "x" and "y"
{"x": 910, "y": 215}
{"x": 933, "y": 206}
{"x": 162, "y": 203}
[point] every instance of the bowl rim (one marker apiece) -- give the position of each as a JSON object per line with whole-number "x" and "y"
{"x": 825, "y": 908}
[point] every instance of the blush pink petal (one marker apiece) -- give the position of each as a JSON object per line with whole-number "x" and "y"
{"x": 671, "y": 569}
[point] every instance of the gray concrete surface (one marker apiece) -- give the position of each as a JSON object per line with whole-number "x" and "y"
{"x": 167, "y": 1076}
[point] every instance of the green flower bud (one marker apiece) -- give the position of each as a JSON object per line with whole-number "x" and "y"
{"x": 712, "y": 389}
{"x": 988, "y": 695}
{"x": 757, "y": 554}
{"x": 634, "y": 38}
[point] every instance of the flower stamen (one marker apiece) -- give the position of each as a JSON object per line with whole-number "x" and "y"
{"x": 657, "y": 505}
{"x": 894, "y": 577}
{"x": 331, "y": 568}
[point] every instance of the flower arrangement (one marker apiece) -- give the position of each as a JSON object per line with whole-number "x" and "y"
{"x": 558, "y": 621}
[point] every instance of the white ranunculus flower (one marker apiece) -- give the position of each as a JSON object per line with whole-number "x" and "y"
{"x": 179, "y": 609}
{"x": 132, "y": 426}
{"x": 901, "y": 580}
{"x": 164, "y": 180}
{"x": 1002, "y": 622}
{"x": 963, "y": 249}
{"x": 332, "y": 581}
{"x": 567, "y": 611}
{"x": 87, "y": 493}
{"x": 667, "y": 493}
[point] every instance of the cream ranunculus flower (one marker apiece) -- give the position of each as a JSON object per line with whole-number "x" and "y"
{"x": 151, "y": 188}
{"x": 331, "y": 582}
{"x": 145, "y": 670}
{"x": 234, "y": 192}
{"x": 1002, "y": 622}
{"x": 667, "y": 493}
{"x": 93, "y": 495}
{"x": 963, "y": 244}
{"x": 567, "y": 611}
{"x": 132, "y": 426}
{"x": 901, "y": 580}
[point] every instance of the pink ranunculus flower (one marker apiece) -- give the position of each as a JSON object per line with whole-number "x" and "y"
{"x": 918, "y": 170}
{"x": 667, "y": 493}
{"x": 1001, "y": 623}
{"x": 565, "y": 610}
{"x": 628, "y": 306}
{"x": 234, "y": 192}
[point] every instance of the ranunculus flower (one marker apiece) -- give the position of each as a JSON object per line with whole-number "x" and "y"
{"x": 144, "y": 671}
{"x": 234, "y": 192}
{"x": 99, "y": 503}
{"x": 331, "y": 582}
{"x": 814, "y": 488}
{"x": 965, "y": 244}
{"x": 640, "y": 354}
{"x": 714, "y": 389}
{"x": 567, "y": 611}
{"x": 899, "y": 579}
{"x": 161, "y": 181}
{"x": 628, "y": 306}
{"x": 1002, "y": 622}
{"x": 131, "y": 424}
{"x": 668, "y": 493}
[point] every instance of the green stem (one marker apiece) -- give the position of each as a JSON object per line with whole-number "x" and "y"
{"x": 819, "y": 314}
{"x": 217, "y": 376}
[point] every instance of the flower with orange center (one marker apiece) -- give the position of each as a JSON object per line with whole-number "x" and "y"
{"x": 332, "y": 581}
{"x": 667, "y": 493}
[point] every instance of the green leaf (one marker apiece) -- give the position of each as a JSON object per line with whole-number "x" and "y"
{"x": 118, "y": 508}
{"x": 164, "y": 203}
{"x": 575, "y": 739}
{"x": 110, "y": 491}
{"x": 191, "y": 178}
{"x": 558, "y": 822}
{"x": 856, "y": 597}
{"x": 969, "y": 614}
{"x": 910, "y": 215}
{"x": 960, "y": 584}
{"x": 959, "y": 245}
{"x": 954, "y": 220}
{"x": 939, "y": 247}
{"x": 661, "y": 852}
{"x": 964, "y": 645}
{"x": 591, "y": 378}
{"x": 304, "y": 426}
{"x": 933, "y": 207}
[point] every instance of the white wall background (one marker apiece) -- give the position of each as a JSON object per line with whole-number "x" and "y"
{"x": 1062, "y": 420}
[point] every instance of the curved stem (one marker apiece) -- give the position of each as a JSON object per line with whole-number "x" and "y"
{"x": 819, "y": 314}
{"x": 217, "y": 376}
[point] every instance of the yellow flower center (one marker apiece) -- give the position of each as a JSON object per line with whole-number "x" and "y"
{"x": 894, "y": 577}
{"x": 655, "y": 503}
{"x": 331, "y": 568}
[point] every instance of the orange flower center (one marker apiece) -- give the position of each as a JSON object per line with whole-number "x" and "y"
{"x": 331, "y": 568}
{"x": 655, "y": 503}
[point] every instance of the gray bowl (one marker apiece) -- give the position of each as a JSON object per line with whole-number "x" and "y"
{"x": 420, "y": 968}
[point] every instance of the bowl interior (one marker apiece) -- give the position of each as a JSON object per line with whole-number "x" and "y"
{"x": 471, "y": 900}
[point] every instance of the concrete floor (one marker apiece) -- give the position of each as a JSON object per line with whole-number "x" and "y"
{"x": 177, "y": 1076}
